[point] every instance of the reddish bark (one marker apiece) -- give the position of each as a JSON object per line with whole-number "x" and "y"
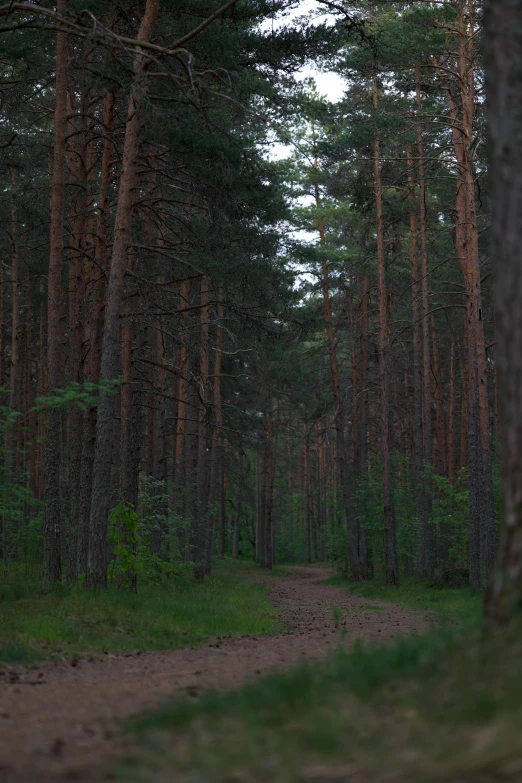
{"x": 52, "y": 568}
{"x": 355, "y": 569}
{"x": 384, "y": 360}
{"x": 427, "y": 551}
{"x": 216, "y": 453}
{"x": 95, "y": 287}
{"x": 451, "y": 416}
{"x": 101, "y": 485}
{"x": 440, "y": 426}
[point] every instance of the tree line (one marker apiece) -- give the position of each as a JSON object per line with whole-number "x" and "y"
{"x": 205, "y": 350}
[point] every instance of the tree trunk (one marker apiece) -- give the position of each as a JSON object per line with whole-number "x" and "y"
{"x": 202, "y": 515}
{"x": 451, "y": 416}
{"x": 420, "y": 499}
{"x": 503, "y": 59}
{"x": 239, "y": 500}
{"x": 14, "y": 379}
{"x": 2, "y": 326}
{"x": 426, "y": 560}
{"x": 95, "y": 299}
{"x": 363, "y": 424}
{"x": 344, "y": 474}
{"x": 440, "y": 425}
{"x": 384, "y": 371}
{"x": 179, "y": 488}
{"x": 52, "y": 565}
{"x": 308, "y": 492}
{"x": 101, "y": 485}
{"x": 223, "y": 507}
{"x": 81, "y": 164}
{"x": 216, "y": 441}
{"x": 482, "y": 526}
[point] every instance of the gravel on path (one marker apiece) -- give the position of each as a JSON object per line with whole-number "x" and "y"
{"x": 59, "y": 722}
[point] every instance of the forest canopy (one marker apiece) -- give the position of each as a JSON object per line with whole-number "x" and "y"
{"x": 207, "y": 348}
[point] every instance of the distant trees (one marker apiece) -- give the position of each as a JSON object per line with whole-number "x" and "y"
{"x": 157, "y": 194}
{"x": 410, "y": 128}
{"x": 211, "y": 379}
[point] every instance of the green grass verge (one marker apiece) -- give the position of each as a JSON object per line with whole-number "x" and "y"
{"x": 442, "y": 707}
{"x": 74, "y": 621}
{"x": 459, "y": 606}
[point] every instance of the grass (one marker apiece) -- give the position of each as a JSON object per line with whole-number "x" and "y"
{"x": 72, "y": 621}
{"x": 446, "y": 706}
{"x": 457, "y": 607}
{"x": 442, "y": 707}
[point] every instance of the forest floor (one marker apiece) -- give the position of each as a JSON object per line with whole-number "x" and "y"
{"x": 61, "y": 720}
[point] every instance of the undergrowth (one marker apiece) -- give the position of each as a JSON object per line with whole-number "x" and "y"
{"x": 69, "y": 621}
{"x": 443, "y": 707}
{"x": 458, "y": 606}
{"x": 417, "y": 708}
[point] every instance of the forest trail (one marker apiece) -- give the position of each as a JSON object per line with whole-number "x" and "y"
{"x": 56, "y": 720}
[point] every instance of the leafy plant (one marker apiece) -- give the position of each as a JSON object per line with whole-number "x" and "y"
{"x": 133, "y": 561}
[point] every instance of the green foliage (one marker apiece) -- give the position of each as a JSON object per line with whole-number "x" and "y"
{"x": 337, "y": 546}
{"x": 66, "y": 620}
{"x": 450, "y": 516}
{"x": 457, "y": 607}
{"x": 20, "y": 513}
{"x": 82, "y": 395}
{"x": 133, "y": 562}
{"x": 431, "y": 708}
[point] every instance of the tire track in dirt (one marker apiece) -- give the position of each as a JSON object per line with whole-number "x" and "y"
{"x": 56, "y": 721}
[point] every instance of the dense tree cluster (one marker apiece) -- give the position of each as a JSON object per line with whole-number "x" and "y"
{"x": 204, "y": 349}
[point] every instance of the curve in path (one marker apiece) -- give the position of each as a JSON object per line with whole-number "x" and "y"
{"x": 55, "y": 721}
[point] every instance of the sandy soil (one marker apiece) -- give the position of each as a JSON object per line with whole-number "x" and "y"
{"x": 59, "y": 722}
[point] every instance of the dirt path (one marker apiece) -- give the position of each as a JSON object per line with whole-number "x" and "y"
{"x": 55, "y": 721}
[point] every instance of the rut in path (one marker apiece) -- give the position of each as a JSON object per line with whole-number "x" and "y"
{"x": 55, "y": 720}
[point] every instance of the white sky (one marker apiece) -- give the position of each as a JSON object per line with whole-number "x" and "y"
{"x": 328, "y": 83}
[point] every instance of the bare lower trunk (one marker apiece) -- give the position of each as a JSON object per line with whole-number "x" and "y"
{"x": 440, "y": 424}
{"x": 308, "y": 493}
{"x": 451, "y": 416}
{"x": 384, "y": 370}
{"x": 52, "y": 566}
{"x": 482, "y": 528}
{"x": 363, "y": 425}
{"x": 239, "y": 501}
{"x": 344, "y": 473}
{"x": 420, "y": 500}
{"x": 94, "y": 305}
{"x": 202, "y": 512}
{"x": 101, "y": 487}
{"x": 223, "y": 507}
{"x": 503, "y": 48}
{"x": 216, "y": 453}
{"x": 180, "y": 454}
{"x": 427, "y": 550}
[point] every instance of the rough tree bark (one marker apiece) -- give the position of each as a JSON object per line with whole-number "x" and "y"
{"x": 217, "y": 450}
{"x": 101, "y": 485}
{"x": 200, "y": 548}
{"x": 94, "y": 305}
{"x": 363, "y": 421}
{"x": 384, "y": 359}
{"x": 239, "y": 501}
{"x": 427, "y": 543}
{"x": 52, "y": 564}
{"x": 418, "y": 456}
{"x": 344, "y": 473}
{"x": 462, "y": 112}
{"x": 503, "y": 59}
